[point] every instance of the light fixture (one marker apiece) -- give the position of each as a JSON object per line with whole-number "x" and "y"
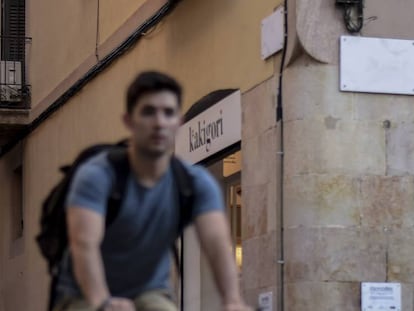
{"x": 353, "y": 14}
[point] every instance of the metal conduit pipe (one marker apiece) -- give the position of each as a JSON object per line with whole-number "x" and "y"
{"x": 281, "y": 152}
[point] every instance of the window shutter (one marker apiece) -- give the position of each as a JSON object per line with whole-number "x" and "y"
{"x": 13, "y": 30}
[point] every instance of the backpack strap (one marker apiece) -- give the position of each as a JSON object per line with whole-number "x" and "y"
{"x": 185, "y": 186}
{"x": 118, "y": 157}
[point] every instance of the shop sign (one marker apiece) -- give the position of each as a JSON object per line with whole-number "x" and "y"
{"x": 211, "y": 131}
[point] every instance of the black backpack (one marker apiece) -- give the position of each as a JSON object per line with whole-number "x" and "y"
{"x": 52, "y": 239}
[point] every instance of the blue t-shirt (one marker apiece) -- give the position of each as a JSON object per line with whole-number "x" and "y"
{"x": 135, "y": 249}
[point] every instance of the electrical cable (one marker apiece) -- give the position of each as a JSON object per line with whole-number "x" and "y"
{"x": 279, "y": 117}
{"x": 97, "y": 30}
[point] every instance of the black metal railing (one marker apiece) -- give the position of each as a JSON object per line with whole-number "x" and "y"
{"x": 14, "y": 89}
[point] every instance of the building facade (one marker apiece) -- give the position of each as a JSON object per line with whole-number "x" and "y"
{"x": 319, "y": 183}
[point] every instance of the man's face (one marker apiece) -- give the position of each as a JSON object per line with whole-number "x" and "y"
{"x": 154, "y": 122}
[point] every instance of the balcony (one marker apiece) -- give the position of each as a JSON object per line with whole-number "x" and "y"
{"x": 14, "y": 89}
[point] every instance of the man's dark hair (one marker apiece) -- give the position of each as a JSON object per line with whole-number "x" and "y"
{"x": 151, "y": 82}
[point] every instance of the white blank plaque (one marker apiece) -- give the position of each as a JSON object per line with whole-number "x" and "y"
{"x": 375, "y": 65}
{"x": 381, "y": 296}
{"x": 273, "y": 33}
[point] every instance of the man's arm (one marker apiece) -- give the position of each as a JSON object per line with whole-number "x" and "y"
{"x": 214, "y": 236}
{"x": 85, "y": 232}
{"x": 86, "y": 210}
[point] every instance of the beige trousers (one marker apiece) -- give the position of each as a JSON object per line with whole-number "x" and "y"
{"x": 149, "y": 301}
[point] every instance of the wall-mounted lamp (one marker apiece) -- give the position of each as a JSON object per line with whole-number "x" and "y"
{"x": 353, "y": 14}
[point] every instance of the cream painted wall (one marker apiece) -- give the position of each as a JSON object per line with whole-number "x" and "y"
{"x": 216, "y": 44}
{"x": 12, "y": 268}
{"x": 207, "y": 45}
{"x": 63, "y": 35}
{"x": 216, "y": 32}
{"x": 113, "y": 13}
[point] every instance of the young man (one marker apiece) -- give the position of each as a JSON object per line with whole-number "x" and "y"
{"x": 127, "y": 267}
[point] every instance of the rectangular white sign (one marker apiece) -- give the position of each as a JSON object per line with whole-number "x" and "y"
{"x": 273, "y": 33}
{"x": 211, "y": 131}
{"x": 376, "y": 65}
{"x": 381, "y": 296}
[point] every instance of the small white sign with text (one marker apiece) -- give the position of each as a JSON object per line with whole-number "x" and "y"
{"x": 266, "y": 301}
{"x": 381, "y": 296}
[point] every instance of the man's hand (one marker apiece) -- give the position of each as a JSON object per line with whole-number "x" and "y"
{"x": 120, "y": 304}
{"x": 236, "y": 307}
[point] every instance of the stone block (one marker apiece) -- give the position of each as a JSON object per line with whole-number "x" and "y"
{"x": 320, "y": 40}
{"x": 254, "y": 211}
{"x": 310, "y": 91}
{"x": 260, "y": 268}
{"x": 380, "y": 107}
{"x": 387, "y": 201}
{"x": 401, "y": 255}
{"x": 407, "y": 297}
{"x": 259, "y": 158}
{"x": 400, "y": 149}
{"x": 322, "y": 296}
{"x": 335, "y": 254}
{"x": 261, "y": 209}
{"x": 273, "y": 204}
{"x": 259, "y": 109}
{"x": 390, "y": 22}
{"x": 320, "y": 200}
{"x": 334, "y": 147}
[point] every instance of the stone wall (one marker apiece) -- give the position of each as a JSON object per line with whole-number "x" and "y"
{"x": 260, "y": 184}
{"x": 349, "y": 166}
{"x": 349, "y": 190}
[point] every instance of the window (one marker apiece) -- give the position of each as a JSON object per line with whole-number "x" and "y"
{"x": 13, "y": 30}
{"x": 13, "y": 89}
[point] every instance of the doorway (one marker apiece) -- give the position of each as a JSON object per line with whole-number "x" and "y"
{"x": 227, "y": 172}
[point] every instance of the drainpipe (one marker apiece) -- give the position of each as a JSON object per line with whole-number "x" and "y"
{"x": 281, "y": 153}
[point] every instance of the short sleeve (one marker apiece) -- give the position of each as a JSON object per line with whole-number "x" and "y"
{"x": 208, "y": 194}
{"x": 90, "y": 188}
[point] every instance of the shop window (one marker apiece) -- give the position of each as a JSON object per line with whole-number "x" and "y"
{"x": 232, "y": 182}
